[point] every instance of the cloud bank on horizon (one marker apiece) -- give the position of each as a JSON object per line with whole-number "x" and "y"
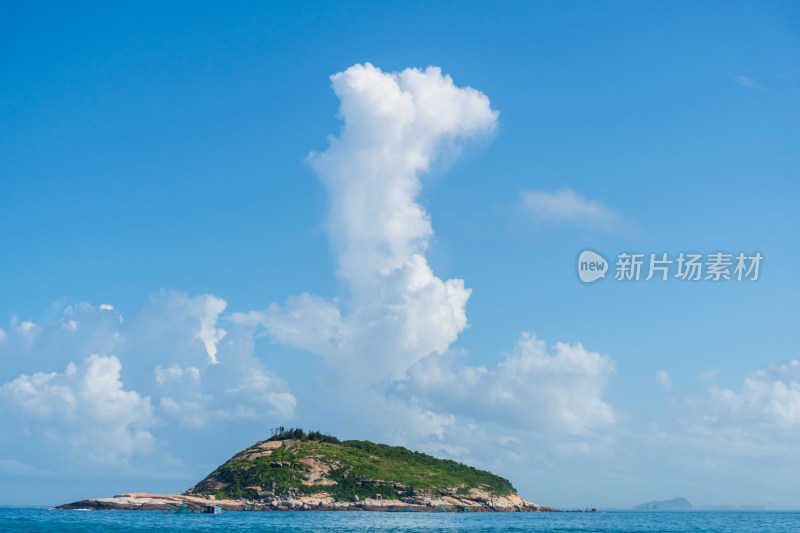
{"x": 94, "y": 386}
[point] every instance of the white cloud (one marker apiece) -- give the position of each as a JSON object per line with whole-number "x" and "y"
{"x": 400, "y": 319}
{"x": 266, "y": 387}
{"x": 745, "y": 81}
{"x": 566, "y": 207}
{"x": 181, "y": 369}
{"x": 743, "y": 437}
{"x": 207, "y": 310}
{"x": 305, "y": 321}
{"x": 176, "y": 373}
{"x": 533, "y": 388}
{"x": 664, "y": 379}
{"x": 85, "y": 406}
{"x": 26, "y": 328}
{"x": 771, "y": 398}
{"x": 386, "y": 344}
{"x": 395, "y": 126}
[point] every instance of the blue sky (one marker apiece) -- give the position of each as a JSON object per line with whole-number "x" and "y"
{"x": 158, "y": 160}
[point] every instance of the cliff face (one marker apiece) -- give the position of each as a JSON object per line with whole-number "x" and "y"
{"x": 323, "y": 473}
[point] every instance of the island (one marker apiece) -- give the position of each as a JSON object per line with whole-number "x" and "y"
{"x": 675, "y": 504}
{"x": 298, "y": 471}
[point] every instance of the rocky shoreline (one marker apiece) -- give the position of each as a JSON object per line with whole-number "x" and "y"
{"x": 153, "y": 502}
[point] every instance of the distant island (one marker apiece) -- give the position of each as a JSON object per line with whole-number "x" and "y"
{"x": 295, "y": 470}
{"x": 682, "y": 504}
{"x": 676, "y": 504}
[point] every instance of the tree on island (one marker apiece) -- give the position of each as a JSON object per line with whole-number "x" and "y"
{"x": 281, "y": 433}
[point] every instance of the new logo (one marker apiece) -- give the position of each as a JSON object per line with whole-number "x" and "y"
{"x": 591, "y": 266}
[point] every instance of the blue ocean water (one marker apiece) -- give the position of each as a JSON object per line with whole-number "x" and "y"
{"x": 32, "y": 519}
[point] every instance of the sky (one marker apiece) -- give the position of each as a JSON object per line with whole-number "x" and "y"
{"x": 366, "y": 218}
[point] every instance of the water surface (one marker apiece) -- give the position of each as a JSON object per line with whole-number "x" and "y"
{"x": 35, "y": 519}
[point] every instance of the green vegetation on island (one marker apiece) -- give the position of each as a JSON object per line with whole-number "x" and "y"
{"x": 294, "y": 462}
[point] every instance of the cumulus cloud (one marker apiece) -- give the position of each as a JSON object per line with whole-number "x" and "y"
{"x": 770, "y": 398}
{"x": 128, "y": 384}
{"x": 84, "y": 407}
{"x": 388, "y": 341}
{"x": 731, "y": 436}
{"x": 384, "y": 342}
{"x": 396, "y": 125}
{"x": 534, "y": 388}
{"x": 566, "y": 207}
{"x": 709, "y": 436}
{"x": 176, "y": 373}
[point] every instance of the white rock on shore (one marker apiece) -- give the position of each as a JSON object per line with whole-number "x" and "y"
{"x": 475, "y": 501}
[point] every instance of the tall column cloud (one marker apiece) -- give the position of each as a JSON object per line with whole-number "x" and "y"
{"x": 396, "y": 125}
{"x": 389, "y": 339}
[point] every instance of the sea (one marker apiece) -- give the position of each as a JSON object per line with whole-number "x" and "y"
{"x": 40, "y": 519}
